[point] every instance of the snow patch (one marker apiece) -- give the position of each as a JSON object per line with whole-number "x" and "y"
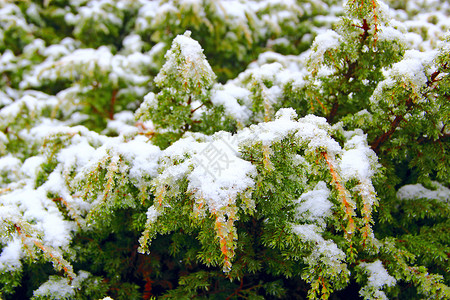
{"x": 315, "y": 204}
{"x": 378, "y": 276}
{"x": 418, "y": 191}
{"x": 11, "y": 255}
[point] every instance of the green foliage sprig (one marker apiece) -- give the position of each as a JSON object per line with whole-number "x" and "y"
{"x": 279, "y": 149}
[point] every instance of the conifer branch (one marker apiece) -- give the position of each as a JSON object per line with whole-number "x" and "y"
{"x": 343, "y": 195}
{"x": 48, "y": 251}
{"x": 333, "y": 111}
{"x": 71, "y": 210}
{"x": 209, "y": 158}
{"x": 380, "y": 140}
{"x": 112, "y": 104}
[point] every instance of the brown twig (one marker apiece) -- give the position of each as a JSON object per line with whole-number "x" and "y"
{"x": 333, "y": 112}
{"x": 376, "y": 144}
{"x": 343, "y": 197}
{"x": 236, "y": 292}
{"x": 112, "y": 103}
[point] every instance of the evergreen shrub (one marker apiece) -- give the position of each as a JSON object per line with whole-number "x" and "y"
{"x": 194, "y": 149}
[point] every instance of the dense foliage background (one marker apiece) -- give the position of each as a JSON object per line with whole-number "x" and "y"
{"x": 224, "y": 149}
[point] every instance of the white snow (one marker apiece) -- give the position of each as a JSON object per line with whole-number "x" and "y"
{"x": 34, "y": 206}
{"x": 418, "y": 191}
{"x": 378, "y": 276}
{"x": 324, "y": 251}
{"x": 215, "y": 171}
{"x": 356, "y": 162}
{"x": 152, "y": 214}
{"x": 76, "y": 155}
{"x": 308, "y": 232}
{"x": 389, "y": 34}
{"x": 413, "y": 67}
{"x": 143, "y": 157}
{"x": 312, "y": 131}
{"x": 11, "y": 16}
{"x": 411, "y": 70}
{"x": 57, "y": 231}
{"x": 98, "y": 10}
{"x": 194, "y": 66}
{"x": 212, "y": 165}
{"x": 228, "y": 97}
{"x": 87, "y": 63}
{"x": 9, "y": 162}
{"x": 267, "y": 72}
{"x": 60, "y": 288}
{"x": 37, "y": 208}
{"x": 132, "y": 43}
{"x": 221, "y": 180}
{"x": 122, "y": 124}
{"x": 31, "y": 166}
{"x": 235, "y": 8}
{"x": 11, "y": 255}
{"x": 325, "y": 41}
{"x": 314, "y": 204}
{"x": 4, "y": 98}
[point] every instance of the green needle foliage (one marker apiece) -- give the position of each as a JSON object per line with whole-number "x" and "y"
{"x": 211, "y": 149}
